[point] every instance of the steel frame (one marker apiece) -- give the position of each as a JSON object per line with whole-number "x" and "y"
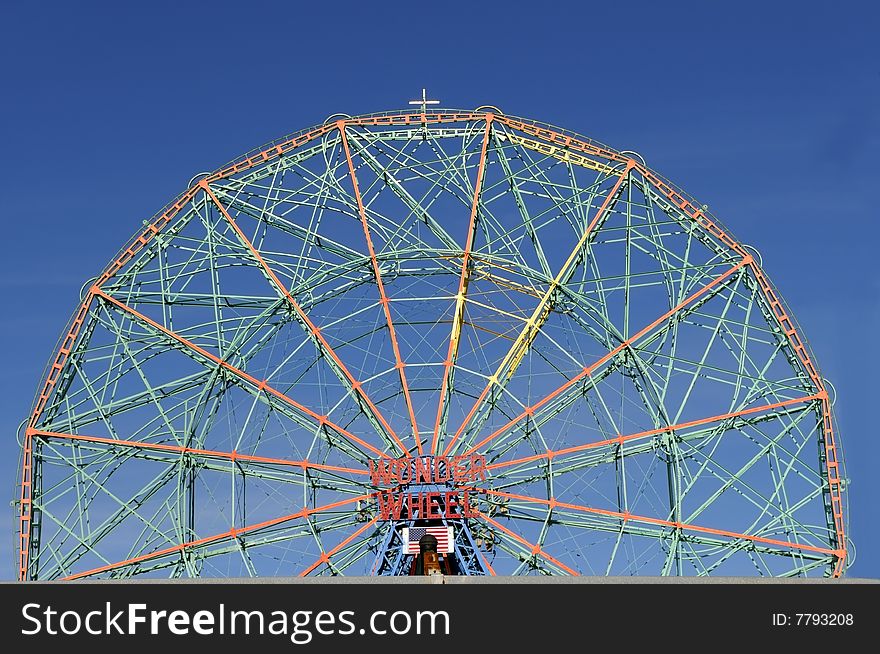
{"x": 310, "y": 307}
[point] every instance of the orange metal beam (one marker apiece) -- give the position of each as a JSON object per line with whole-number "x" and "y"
{"x": 534, "y": 549}
{"x": 455, "y": 336}
{"x": 356, "y": 386}
{"x": 325, "y": 557}
{"x": 588, "y": 370}
{"x": 832, "y": 463}
{"x": 486, "y": 562}
{"x": 567, "y": 142}
{"x": 699, "y": 216}
{"x": 138, "y": 242}
{"x": 261, "y": 385}
{"x": 383, "y": 297}
{"x": 230, "y": 456}
{"x": 25, "y": 507}
{"x": 417, "y": 118}
{"x": 626, "y": 516}
{"x": 25, "y": 514}
{"x": 540, "y": 314}
{"x": 141, "y": 239}
{"x": 269, "y": 154}
{"x": 653, "y": 432}
{"x": 232, "y": 533}
{"x": 126, "y": 254}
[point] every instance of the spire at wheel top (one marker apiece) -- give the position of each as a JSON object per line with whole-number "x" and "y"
{"x": 424, "y": 101}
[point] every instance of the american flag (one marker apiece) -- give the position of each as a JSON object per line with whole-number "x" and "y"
{"x": 445, "y": 542}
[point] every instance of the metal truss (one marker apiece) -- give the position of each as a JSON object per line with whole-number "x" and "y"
{"x": 432, "y": 284}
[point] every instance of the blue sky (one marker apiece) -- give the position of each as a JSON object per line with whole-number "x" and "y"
{"x": 767, "y": 112}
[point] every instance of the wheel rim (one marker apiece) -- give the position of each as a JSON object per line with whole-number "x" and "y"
{"x": 439, "y": 284}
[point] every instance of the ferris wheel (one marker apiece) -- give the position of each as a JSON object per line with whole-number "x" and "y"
{"x": 483, "y": 328}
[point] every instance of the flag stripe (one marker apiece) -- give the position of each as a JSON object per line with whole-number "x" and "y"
{"x": 445, "y": 541}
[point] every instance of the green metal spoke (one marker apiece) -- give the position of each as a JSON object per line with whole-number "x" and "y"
{"x": 643, "y": 398}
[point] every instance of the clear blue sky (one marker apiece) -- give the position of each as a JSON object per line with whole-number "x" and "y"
{"x": 767, "y": 112}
